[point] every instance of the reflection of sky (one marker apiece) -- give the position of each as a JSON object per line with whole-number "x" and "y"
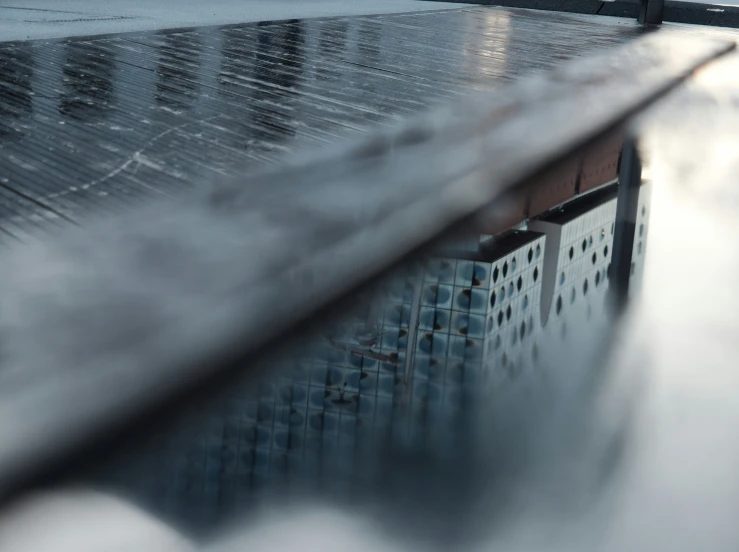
{"x": 486, "y": 48}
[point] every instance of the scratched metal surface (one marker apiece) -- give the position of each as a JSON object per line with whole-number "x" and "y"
{"x": 90, "y": 126}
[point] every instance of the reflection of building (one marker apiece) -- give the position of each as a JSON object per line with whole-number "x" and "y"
{"x": 352, "y": 385}
{"x": 397, "y": 372}
{"x": 467, "y": 322}
{"x": 478, "y": 311}
{"x": 640, "y": 238}
{"x": 575, "y": 270}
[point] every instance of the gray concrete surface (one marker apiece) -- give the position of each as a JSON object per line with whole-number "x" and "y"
{"x": 37, "y": 19}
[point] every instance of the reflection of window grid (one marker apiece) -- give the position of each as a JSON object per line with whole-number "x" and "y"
{"x": 513, "y": 319}
{"x": 640, "y": 238}
{"x": 342, "y": 395}
{"x": 477, "y": 316}
{"x": 442, "y": 303}
{"x": 294, "y": 425}
{"x": 584, "y": 257}
{"x": 584, "y": 229}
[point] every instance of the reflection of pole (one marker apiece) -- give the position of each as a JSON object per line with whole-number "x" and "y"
{"x": 626, "y": 213}
{"x": 650, "y": 12}
{"x": 410, "y": 353}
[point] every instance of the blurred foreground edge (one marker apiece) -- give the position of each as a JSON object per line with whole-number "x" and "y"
{"x": 105, "y": 324}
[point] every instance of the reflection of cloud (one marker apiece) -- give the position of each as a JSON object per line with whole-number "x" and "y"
{"x": 16, "y": 73}
{"x": 84, "y": 521}
{"x": 309, "y": 529}
{"x": 87, "y": 90}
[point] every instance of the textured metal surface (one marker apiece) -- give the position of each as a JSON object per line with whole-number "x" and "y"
{"x": 88, "y": 126}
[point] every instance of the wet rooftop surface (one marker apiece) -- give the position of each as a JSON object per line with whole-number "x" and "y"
{"x": 94, "y": 126}
{"x": 383, "y": 411}
{"x": 89, "y": 125}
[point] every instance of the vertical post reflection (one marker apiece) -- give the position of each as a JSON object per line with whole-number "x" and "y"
{"x": 630, "y": 176}
{"x": 177, "y": 72}
{"x": 88, "y": 76}
{"x": 370, "y": 36}
{"x": 331, "y": 44}
{"x": 16, "y": 101}
{"x": 266, "y": 64}
{"x": 279, "y": 63}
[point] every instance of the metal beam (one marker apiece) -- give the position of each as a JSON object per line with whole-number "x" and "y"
{"x": 630, "y": 176}
{"x": 651, "y": 12}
